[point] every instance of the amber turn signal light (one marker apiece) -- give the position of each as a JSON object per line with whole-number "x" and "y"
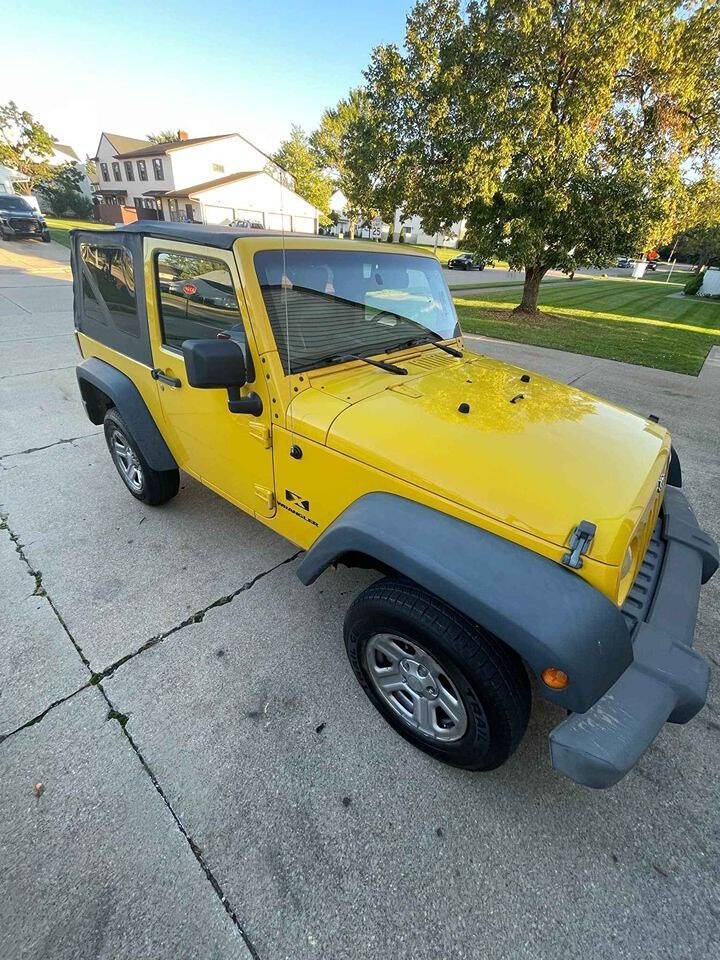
{"x": 555, "y": 678}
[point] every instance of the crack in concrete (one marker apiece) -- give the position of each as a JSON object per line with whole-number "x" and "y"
{"x": 34, "y": 373}
{"x": 40, "y": 716}
{"x": 196, "y": 617}
{"x": 55, "y": 443}
{"x": 122, "y": 719}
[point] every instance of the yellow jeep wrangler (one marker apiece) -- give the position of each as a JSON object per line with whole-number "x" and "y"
{"x": 518, "y": 524}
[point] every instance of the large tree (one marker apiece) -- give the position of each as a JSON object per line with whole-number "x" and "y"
{"x": 25, "y": 146}
{"x": 296, "y": 156}
{"x": 560, "y": 128}
{"x": 341, "y": 149}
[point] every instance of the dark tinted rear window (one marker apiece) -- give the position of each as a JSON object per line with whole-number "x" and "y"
{"x": 109, "y": 287}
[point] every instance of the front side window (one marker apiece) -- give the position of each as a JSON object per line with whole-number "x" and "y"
{"x": 197, "y": 298}
{"x": 158, "y": 169}
{"x": 109, "y": 287}
{"x": 129, "y": 174}
{"x": 142, "y": 170}
{"x": 325, "y": 305}
{"x": 116, "y": 171}
{"x": 104, "y": 172}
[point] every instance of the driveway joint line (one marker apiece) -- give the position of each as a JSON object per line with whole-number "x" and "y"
{"x": 55, "y": 443}
{"x": 196, "y": 617}
{"x": 113, "y": 713}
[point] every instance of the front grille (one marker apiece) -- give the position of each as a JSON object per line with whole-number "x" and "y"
{"x": 22, "y": 224}
{"x": 637, "y": 603}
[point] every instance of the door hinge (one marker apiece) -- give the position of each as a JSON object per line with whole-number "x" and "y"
{"x": 580, "y": 540}
{"x": 266, "y": 495}
{"x": 261, "y": 432}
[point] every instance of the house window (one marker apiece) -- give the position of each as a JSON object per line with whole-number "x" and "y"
{"x": 116, "y": 171}
{"x": 158, "y": 169}
{"x": 129, "y": 174}
{"x": 197, "y": 298}
{"x": 218, "y": 168}
{"x": 104, "y": 172}
{"x": 142, "y": 170}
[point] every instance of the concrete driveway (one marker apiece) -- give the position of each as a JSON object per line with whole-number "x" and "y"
{"x": 189, "y": 769}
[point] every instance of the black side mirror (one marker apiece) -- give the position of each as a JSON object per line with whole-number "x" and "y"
{"x": 214, "y": 363}
{"x": 220, "y": 364}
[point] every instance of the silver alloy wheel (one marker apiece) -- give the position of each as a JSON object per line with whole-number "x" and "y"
{"x": 127, "y": 462}
{"x": 416, "y": 687}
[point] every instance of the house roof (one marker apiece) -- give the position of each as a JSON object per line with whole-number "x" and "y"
{"x": 64, "y": 148}
{"x": 210, "y": 184}
{"x": 145, "y": 149}
{"x": 120, "y": 143}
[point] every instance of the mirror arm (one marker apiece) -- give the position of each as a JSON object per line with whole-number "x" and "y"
{"x": 251, "y": 404}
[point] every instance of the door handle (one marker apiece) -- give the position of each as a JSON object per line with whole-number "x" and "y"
{"x": 157, "y": 374}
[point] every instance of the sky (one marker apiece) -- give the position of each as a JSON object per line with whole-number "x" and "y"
{"x": 137, "y": 66}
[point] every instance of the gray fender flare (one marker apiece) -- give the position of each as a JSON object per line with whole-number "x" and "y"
{"x": 549, "y": 615}
{"x": 130, "y": 405}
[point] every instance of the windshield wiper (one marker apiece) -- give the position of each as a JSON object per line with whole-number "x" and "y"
{"x": 344, "y": 357}
{"x": 418, "y": 341}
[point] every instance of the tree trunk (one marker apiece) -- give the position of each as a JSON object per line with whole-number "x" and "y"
{"x": 531, "y": 288}
{"x": 351, "y": 228}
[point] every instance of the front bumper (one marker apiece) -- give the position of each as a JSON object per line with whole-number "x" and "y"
{"x": 667, "y": 680}
{"x": 17, "y": 227}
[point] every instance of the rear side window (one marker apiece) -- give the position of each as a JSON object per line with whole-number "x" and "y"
{"x": 109, "y": 287}
{"x": 196, "y": 296}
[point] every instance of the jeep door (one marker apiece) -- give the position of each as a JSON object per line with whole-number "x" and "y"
{"x": 194, "y": 293}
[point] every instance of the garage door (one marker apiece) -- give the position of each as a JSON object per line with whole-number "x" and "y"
{"x": 278, "y": 221}
{"x": 303, "y": 224}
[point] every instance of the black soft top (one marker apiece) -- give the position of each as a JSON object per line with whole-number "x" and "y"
{"x": 222, "y": 237}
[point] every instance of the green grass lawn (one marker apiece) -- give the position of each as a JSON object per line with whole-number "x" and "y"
{"x": 678, "y": 276}
{"x": 631, "y": 320}
{"x": 60, "y": 229}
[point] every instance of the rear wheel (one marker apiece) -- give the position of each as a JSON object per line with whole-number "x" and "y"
{"x": 153, "y": 487}
{"x": 442, "y": 682}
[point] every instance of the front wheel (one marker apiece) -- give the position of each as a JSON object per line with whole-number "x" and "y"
{"x": 443, "y": 683}
{"x": 153, "y": 487}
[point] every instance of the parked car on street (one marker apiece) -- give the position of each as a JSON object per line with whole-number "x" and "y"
{"x": 19, "y": 219}
{"x": 465, "y": 261}
{"x": 314, "y": 384}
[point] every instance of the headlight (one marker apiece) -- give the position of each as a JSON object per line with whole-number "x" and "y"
{"x": 627, "y": 563}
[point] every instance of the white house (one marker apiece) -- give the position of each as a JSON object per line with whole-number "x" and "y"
{"x": 62, "y": 154}
{"x": 409, "y": 228}
{"x": 218, "y": 180}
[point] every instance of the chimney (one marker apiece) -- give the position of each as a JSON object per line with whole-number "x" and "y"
{"x": 182, "y": 135}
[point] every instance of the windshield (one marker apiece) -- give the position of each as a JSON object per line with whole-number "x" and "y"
{"x": 14, "y": 203}
{"x": 327, "y": 304}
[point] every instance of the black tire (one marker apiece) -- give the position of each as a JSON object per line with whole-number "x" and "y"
{"x": 153, "y": 487}
{"x": 46, "y": 238}
{"x": 489, "y": 677}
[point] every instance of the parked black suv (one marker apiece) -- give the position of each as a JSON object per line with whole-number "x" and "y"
{"x": 19, "y": 219}
{"x": 465, "y": 262}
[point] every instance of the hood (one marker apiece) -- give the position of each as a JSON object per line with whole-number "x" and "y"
{"x": 534, "y": 454}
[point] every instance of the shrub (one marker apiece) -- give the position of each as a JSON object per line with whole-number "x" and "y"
{"x": 693, "y": 284}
